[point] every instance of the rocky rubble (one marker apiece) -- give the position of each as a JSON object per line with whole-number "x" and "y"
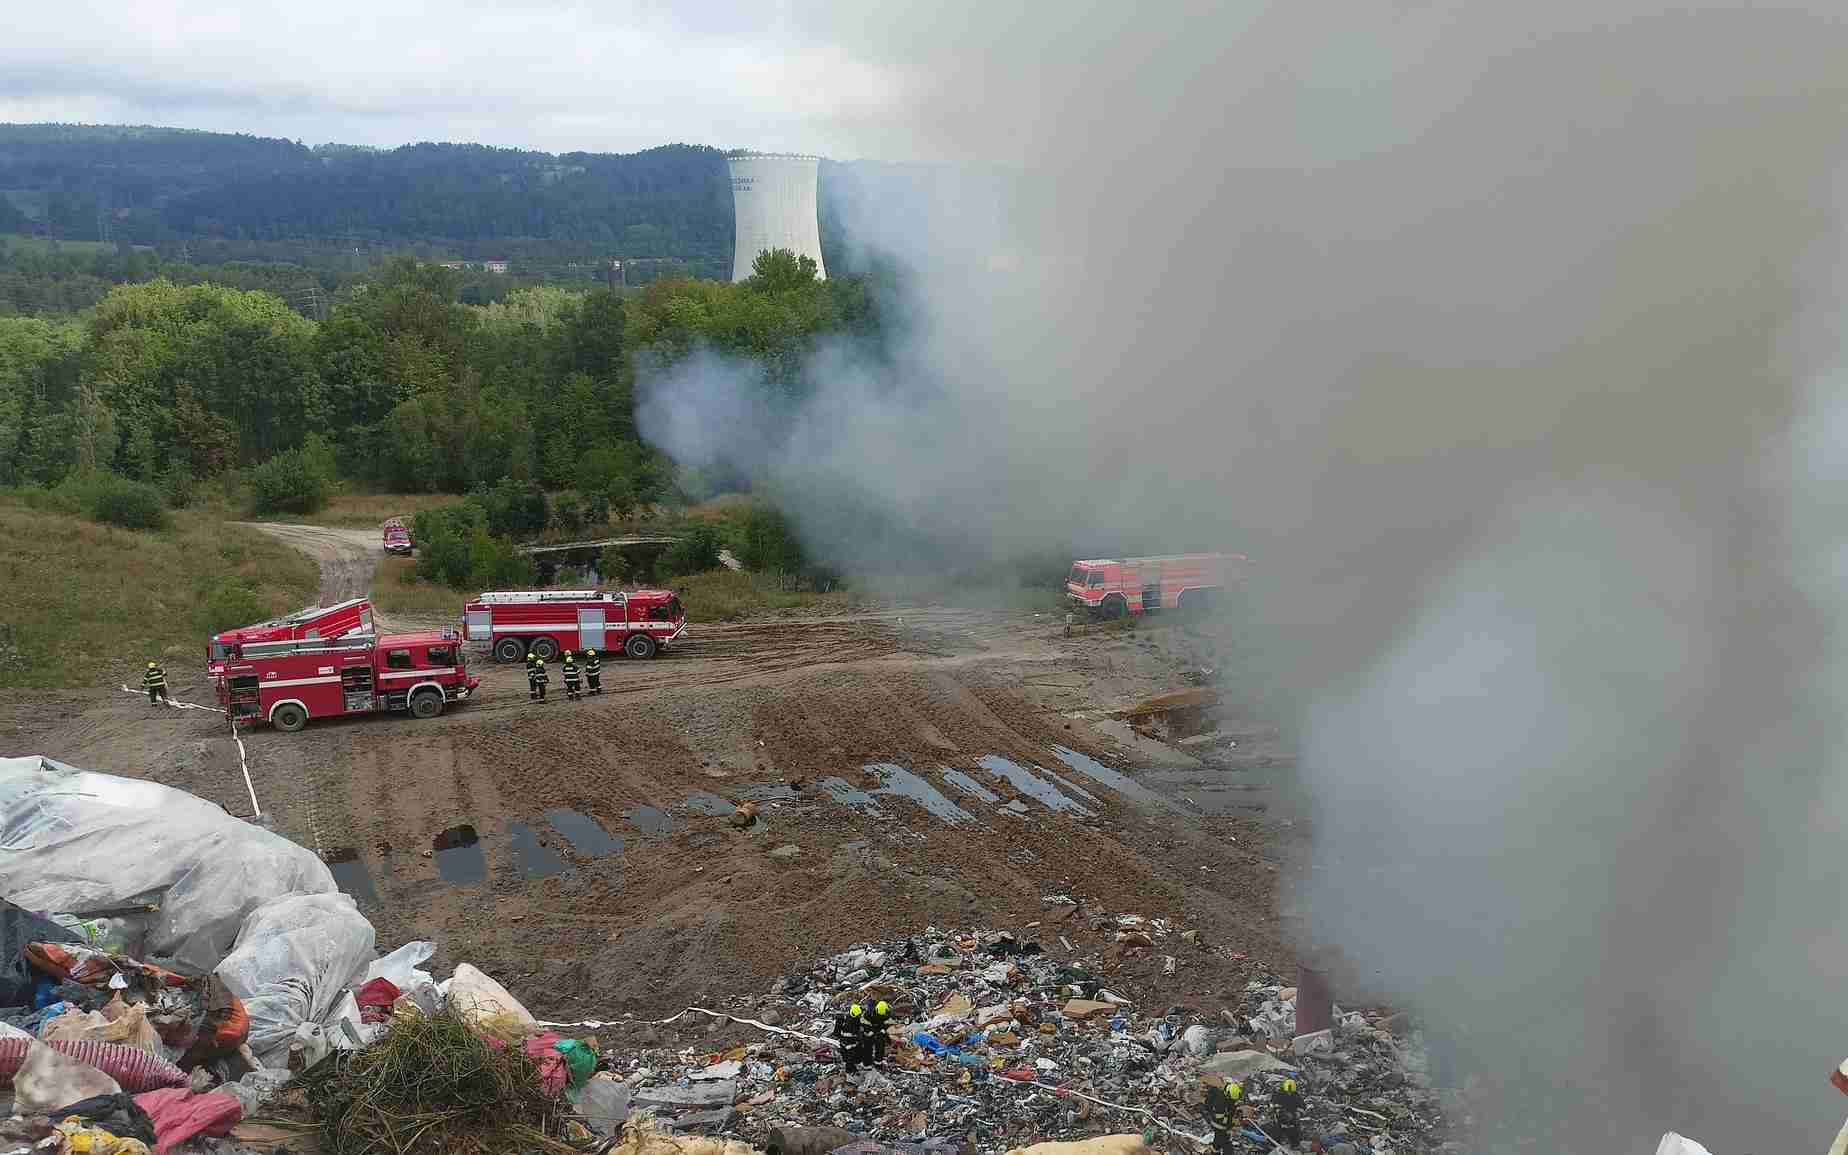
{"x": 1000, "y": 1040}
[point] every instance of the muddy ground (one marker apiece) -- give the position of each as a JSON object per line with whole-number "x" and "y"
{"x": 606, "y": 876}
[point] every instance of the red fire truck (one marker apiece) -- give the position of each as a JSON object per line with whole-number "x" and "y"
{"x": 288, "y": 682}
{"x": 314, "y": 622}
{"x": 397, "y": 538}
{"x": 1113, "y": 587}
{"x": 513, "y": 623}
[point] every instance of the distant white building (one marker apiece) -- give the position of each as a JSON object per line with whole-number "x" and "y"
{"x": 773, "y": 197}
{"x": 494, "y": 266}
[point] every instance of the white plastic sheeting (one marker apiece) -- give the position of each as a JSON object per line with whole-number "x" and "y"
{"x": 78, "y": 841}
{"x": 293, "y": 960}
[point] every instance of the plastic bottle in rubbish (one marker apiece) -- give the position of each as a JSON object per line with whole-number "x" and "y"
{"x": 1118, "y": 1024}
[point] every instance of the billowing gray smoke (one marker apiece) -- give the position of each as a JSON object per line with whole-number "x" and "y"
{"x": 1505, "y": 339}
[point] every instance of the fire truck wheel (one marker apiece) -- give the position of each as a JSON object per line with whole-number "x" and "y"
{"x": 509, "y": 650}
{"x": 426, "y": 704}
{"x": 289, "y": 717}
{"x": 639, "y": 646}
{"x": 545, "y": 649}
{"x": 1114, "y": 607}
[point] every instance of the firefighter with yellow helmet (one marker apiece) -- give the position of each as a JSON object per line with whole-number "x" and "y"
{"x": 877, "y": 1019}
{"x": 1289, "y": 1103}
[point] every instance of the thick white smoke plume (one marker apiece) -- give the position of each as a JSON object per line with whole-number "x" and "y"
{"x": 1503, "y": 338}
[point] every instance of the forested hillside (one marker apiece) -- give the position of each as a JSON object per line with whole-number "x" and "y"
{"x": 404, "y": 385}
{"x": 238, "y": 196}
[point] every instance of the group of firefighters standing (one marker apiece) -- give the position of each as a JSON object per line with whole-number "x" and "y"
{"x": 1226, "y": 1110}
{"x": 591, "y": 669}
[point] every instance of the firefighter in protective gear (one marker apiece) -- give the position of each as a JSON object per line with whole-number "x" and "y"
{"x": 532, "y": 683}
{"x": 1289, "y": 1103}
{"x": 571, "y": 678}
{"x": 876, "y": 1022}
{"x": 593, "y": 670}
{"x": 1222, "y": 1111}
{"x": 539, "y": 679}
{"x": 155, "y": 683}
{"x": 849, "y": 1030}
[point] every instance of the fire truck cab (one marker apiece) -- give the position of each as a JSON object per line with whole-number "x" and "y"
{"x": 513, "y": 623}
{"x": 397, "y": 538}
{"x": 288, "y": 682}
{"x": 1112, "y": 587}
{"x": 314, "y": 622}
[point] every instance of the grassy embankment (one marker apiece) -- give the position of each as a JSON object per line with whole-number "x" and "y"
{"x": 82, "y": 604}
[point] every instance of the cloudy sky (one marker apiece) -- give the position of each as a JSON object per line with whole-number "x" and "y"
{"x": 605, "y": 76}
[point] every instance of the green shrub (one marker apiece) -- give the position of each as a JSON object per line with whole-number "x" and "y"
{"x": 614, "y": 565}
{"x": 567, "y": 513}
{"x": 696, "y": 552}
{"x": 229, "y": 602}
{"x": 115, "y": 500}
{"x": 296, "y": 481}
{"x": 596, "y": 510}
{"x": 767, "y": 543}
{"x": 176, "y": 484}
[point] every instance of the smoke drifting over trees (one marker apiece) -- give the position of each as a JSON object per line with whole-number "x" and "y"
{"x": 1505, "y": 341}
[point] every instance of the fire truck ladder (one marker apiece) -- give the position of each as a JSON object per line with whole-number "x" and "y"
{"x": 516, "y": 597}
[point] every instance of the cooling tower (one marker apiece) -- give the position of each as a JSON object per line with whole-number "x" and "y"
{"x": 774, "y": 199}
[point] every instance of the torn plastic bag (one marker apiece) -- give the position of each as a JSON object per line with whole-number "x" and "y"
{"x": 17, "y": 928}
{"x": 293, "y": 960}
{"x": 47, "y": 1078}
{"x": 89, "y": 843}
{"x": 400, "y": 967}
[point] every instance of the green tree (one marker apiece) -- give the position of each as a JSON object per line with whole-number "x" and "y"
{"x": 780, "y": 270}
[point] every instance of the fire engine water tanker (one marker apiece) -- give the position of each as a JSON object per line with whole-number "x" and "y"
{"x": 1112, "y": 587}
{"x": 285, "y": 683}
{"x": 546, "y": 623}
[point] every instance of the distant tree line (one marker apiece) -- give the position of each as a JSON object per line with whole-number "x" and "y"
{"x": 154, "y": 186}
{"x": 403, "y": 387}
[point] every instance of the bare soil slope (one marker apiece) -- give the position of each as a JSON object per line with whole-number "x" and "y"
{"x": 790, "y": 713}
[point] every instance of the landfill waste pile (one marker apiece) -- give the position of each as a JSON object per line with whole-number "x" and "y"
{"x": 223, "y": 990}
{"x": 998, "y": 1040}
{"x": 162, "y": 964}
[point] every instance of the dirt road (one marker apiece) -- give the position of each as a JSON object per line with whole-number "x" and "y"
{"x": 348, "y": 557}
{"x": 911, "y": 767}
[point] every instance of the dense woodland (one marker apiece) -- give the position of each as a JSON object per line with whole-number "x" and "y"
{"x": 182, "y": 197}
{"x": 412, "y": 389}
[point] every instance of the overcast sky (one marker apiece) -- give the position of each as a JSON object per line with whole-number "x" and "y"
{"x": 605, "y": 76}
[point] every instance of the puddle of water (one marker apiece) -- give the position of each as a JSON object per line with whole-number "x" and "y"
{"x": 1030, "y": 784}
{"x": 771, "y": 792}
{"x": 851, "y": 796}
{"x": 352, "y": 877}
{"x": 585, "y": 834}
{"x": 706, "y": 802}
{"x": 458, "y": 856}
{"x": 1068, "y": 784}
{"x": 651, "y": 820}
{"x": 531, "y": 859}
{"x": 1115, "y": 779}
{"x": 904, "y": 784}
{"x": 970, "y": 786}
